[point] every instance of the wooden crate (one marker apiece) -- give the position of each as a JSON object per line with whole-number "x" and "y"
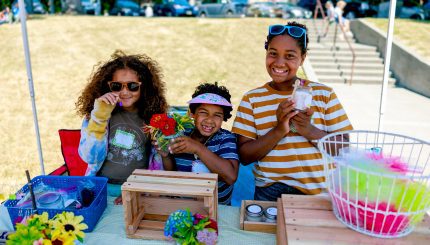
{"x": 310, "y": 220}
{"x": 256, "y": 226}
{"x": 149, "y": 197}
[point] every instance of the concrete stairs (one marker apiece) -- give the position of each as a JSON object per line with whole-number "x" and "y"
{"x": 333, "y": 64}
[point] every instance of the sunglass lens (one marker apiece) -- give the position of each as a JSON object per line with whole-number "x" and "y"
{"x": 276, "y": 29}
{"x": 115, "y": 86}
{"x": 133, "y": 87}
{"x": 296, "y": 31}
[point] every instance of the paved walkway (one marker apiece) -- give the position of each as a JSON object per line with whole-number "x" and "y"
{"x": 407, "y": 113}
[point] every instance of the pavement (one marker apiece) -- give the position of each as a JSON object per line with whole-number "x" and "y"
{"x": 406, "y": 112}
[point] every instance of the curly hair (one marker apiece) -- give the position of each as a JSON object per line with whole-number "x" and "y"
{"x": 214, "y": 89}
{"x": 152, "y": 97}
{"x": 300, "y": 41}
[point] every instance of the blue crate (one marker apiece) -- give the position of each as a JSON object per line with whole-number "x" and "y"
{"x": 91, "y": 213}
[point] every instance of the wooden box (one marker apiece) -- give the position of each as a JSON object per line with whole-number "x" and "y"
{"x": 256, "y": 226}
{"x": 310, "y": 220}
{"x": 149, "y": 197}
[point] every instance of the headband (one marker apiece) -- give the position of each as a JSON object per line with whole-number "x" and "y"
{"x": 209, "y": 98}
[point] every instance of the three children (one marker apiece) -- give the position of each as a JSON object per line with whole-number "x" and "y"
{"x": 270, "y": 130}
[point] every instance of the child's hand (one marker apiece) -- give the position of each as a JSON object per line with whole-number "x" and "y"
{"x": 159, "y": 150}
{"x": 184, "y": 145}
{"x": 109, "y": 98}
{"x": 284, "y": 113}
{"x": 302, "y": 122}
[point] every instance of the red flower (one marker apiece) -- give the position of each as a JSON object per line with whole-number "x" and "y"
{"x": 213, "y": 224}
{"x": 168, "y": 126}
{"x": 157, "y": 120}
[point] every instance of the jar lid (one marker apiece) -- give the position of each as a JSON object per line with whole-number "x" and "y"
{"x": 254, "y": 210}
{"x": 271, "y": 212}
{"x": 49, "y": 198}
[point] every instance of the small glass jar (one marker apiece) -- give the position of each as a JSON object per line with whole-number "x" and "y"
{"x": 254, "y": 212}
{"x": 270, "y": 214}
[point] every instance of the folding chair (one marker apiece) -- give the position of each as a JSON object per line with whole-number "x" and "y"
{"x": 73, "y": 164}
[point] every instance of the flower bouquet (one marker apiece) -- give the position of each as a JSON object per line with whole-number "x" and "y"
{"x": 185, "y": 228}
{"x": 65, "y": 228}
{"x": 164, "y": 127}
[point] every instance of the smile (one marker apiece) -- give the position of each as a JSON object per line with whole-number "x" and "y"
{"x": 207, "y": 128}
{"x": 279, "y": 71}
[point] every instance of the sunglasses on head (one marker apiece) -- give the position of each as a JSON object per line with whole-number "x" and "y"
{"x": 294, "y": 31}
{"x": 118, "y": 86}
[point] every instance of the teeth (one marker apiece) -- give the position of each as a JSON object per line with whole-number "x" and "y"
{"x": 278, "y": 71}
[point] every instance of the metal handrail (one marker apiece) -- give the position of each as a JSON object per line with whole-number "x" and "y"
{"x": 333, "y": 48}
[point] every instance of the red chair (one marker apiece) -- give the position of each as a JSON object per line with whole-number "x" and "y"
{"x": 74, "y": 165}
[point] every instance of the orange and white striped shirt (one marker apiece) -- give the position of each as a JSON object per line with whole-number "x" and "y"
{"x": 294, "y": 161}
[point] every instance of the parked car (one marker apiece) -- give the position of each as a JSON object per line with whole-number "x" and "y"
{"x": 402, "y": 11}
{"x": 261, "y": 9}
{"x": 358, "y": 9}
{"x": 174, "y": 8}
{"x": 221, "y": 8}
{"x": 125, "y": 8}
{"x": 292, "y": 11}
{"x": 38, "y": 7}
{"x": 88, "y": 6}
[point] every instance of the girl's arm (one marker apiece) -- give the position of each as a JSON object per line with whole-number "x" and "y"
{"x": 93, "y": 144}
{"x": 251, "y": 150}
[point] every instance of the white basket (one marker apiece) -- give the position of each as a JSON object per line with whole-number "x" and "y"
{"x": 378, "y": 182}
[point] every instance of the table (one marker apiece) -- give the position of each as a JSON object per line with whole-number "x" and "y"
{"x": 111, "y": 230}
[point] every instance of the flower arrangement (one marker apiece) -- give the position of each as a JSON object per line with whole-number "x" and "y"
{"x": 65, "y": 228}
{"x": 185, "y": 228}
{"x": 164, "y": 127}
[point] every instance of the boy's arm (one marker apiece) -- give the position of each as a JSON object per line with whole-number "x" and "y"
{"x": 226, "y": 169}
{"x": 169, "y": 162}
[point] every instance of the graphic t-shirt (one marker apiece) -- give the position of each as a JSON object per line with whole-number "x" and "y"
{"x": 128, "y": 147}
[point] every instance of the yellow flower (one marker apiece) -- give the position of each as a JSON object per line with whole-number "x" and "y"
{"x": 67, "y": 227}
{"x": 64, "y": 238}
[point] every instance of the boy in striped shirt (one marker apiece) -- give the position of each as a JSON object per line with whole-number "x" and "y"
{"x": 287, "y": 161}
{"x": 207, "y": 147}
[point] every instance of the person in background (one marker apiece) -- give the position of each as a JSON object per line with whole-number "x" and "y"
{"x": 121, "y": 96}
{"x": 338, "y": 14}
{"x": 207, "y": 147}
{"x": 330, "y": 18}
{"x": 273, "y": 133}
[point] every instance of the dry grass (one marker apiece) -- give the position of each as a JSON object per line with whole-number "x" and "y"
{"x": 411, "y": 33}
{"x": 64, "y": 50}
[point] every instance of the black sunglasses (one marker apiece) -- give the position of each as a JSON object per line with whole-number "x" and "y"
{"x": 118, "y": 86}
{"x": 294, "y": 31}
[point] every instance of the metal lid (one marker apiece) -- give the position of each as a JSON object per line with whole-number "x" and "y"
{"x": 271, "y": 212}
{"x": 254, "y": 210}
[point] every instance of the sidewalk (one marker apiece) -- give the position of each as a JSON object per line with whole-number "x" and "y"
{"x": 406, "y": 112}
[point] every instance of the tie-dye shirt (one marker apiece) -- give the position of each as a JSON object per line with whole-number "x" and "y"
{"x": 113, "y": 147}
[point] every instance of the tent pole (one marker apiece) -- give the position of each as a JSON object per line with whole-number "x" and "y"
{"x": 23, "y": 19}
{"x": 387, "y": 60}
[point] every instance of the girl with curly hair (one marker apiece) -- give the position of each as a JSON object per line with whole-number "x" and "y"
{"x": 207, "y": 147}
{"x": 121, "y": 96}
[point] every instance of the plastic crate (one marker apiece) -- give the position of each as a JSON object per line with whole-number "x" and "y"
{"x": 91, "y": 213}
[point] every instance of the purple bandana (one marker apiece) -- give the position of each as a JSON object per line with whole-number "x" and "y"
{"x": 210, "y": 98}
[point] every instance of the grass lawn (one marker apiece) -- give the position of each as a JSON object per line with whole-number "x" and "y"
{"x": 64, "y": 50}
{"x": 411, "y": 33}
